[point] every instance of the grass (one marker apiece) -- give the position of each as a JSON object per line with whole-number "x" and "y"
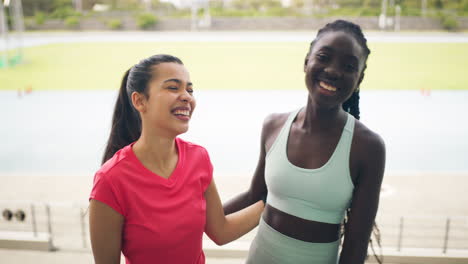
{"x": 93, "y": 66}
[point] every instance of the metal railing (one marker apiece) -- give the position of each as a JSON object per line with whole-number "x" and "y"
{"x": 436, "y": 232}
{"x": 68, "y": 226}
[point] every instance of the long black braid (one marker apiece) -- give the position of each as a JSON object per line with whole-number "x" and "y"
{"x": 352, "y": 106}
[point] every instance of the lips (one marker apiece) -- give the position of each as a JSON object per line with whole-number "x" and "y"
{"x": 182, "y": 112}
{"x": 327, "y": 86}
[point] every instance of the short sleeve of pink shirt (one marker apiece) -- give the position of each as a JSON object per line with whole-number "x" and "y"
{"x": 105, "y": 193}
{"x": 206, "y": 180}
{"x": 164, "y": 219}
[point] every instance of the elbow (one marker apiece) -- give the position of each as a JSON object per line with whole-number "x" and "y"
{"x": 220, "y": 242}
{"x": 218, "y": 238}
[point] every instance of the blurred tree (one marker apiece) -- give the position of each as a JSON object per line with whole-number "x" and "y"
{"x": 126, "y": 4}
{"x": 438, "y": 4}
{"x": 464, "y": 6}
{"x": 297, "y": 4}
{"x": 256, "y": 4}
{"x": 372, "y": 3}
{"x": 62, "y": 3}
{"x": 88, "y": 4}
{"x": 30, "y": 7}
{"x": 163, "y": 6}
{"x": 349, "y": 3}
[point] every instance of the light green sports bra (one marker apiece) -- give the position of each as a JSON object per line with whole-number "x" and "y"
{"x": 321, "y": 194}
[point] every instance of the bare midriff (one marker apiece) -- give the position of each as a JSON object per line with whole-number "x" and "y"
{"x": 300, "y": 228}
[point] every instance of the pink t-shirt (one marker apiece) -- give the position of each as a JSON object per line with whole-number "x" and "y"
{"x": 164, "y": 218}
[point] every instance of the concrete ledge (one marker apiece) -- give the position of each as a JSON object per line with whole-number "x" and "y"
{"x": 26, "y": 241}
{"x": 237, "y": 249}
{"x": 240, "y": 249}
{"x": 423, "y": 256}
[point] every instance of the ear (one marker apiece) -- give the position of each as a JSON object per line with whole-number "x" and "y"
{"x": 360, "y": 79}
{"x": 308, "y": 55}
{"x": 139, "y": 102}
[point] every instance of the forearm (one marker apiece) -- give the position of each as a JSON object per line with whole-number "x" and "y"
{"x": 357, "y": 235}
{"x": 105, "y": 227}
{"x": 237, "y": 203}
{"x": 355, "y": 255}
{"x": 237, "y": 224}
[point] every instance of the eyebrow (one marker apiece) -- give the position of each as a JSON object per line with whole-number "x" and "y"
{"x": 331, "y": 49}
{"x": 177, "y": 81}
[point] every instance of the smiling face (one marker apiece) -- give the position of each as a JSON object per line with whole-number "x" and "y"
{"x": 334, "y": 68}
{"x": 170, "y": 103}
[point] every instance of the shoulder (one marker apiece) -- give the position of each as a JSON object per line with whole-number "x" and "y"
{"x": 369, "y": 149}
{"x": 272, "y": 126}
{"x": 275, "y": 121}
{"x": 113, "y": 166}
{"x": 194, "y": 152}
{"x": 369, "y": 142}
{"x": 197, "y": 157}
{"x": 191, "y": 147}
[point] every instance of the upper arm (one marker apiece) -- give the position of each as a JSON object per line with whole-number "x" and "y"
{"x": 105, "y": 226}
{"x": 214, "y": 210}
{"x": 270, "y": 130}
{"x": 365, "y": 199}
{"x": 257, "y": 188}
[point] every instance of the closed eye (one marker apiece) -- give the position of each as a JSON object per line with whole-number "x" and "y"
{"x": 322, "y": 57}
{"x": 350, "y": 67}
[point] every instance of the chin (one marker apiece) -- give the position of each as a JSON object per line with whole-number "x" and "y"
{"x": 181, "y": 130}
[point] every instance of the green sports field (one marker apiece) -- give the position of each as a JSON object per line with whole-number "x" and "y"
{"x": 218, "y": 65}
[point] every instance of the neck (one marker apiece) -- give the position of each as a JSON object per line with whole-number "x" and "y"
{"x": 157, "y": 149}
{"x": 322, "y": 118}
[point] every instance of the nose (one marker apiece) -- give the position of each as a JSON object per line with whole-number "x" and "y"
{"x": 186, "y": 97}
{"x": 332, "y": 72}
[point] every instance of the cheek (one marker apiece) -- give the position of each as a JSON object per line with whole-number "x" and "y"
{"x": 356, "y": 83}
{"x": 193, "y": 104}
{"x": 353, "y": 79}
{"x": 309, "y": 76}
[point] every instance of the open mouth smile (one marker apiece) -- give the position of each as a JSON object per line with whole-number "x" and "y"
{"x": 182, "y": 113}
{"x": 327, "y": 86}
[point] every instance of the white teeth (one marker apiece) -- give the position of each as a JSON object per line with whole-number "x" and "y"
{"x": 327, "y": 87}
{"x": 182, "y": 112}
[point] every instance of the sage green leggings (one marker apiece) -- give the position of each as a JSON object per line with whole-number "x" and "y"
{"x": 272, "y": 247}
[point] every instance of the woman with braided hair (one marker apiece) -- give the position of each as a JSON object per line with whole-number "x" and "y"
{"x": 320, "y": 166}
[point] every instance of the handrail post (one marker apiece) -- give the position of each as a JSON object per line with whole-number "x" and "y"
{"x": 33, "y": 219}
{"x": 446, "y": 238}
{"x": 400, "y": 235}
{"x": 49, "y": 220}
{"x": 83, "y": 227}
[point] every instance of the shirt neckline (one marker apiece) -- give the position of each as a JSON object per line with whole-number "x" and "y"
{"x": 172, "y": 179}
{"x": 324, "y": 166}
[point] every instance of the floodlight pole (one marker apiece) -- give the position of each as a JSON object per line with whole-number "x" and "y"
{"x": 4, "y": 33}
{"x": 207, "y": 15}
{"x": 424, "y": 8}
{"x": 18, "y": 24}
{"x": 383, "y": 15}
{"x": 194, "y": 21}
{"x": 148, "y": 6}
{"x": 78, "y": 5}
{"x": 397, "y": 18}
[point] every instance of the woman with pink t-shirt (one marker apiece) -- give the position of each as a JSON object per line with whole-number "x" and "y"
{"x": 154, "y": 195}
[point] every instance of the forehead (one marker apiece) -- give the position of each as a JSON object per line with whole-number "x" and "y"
{"x": 170, "y": 70}
{"x": 340, "y": 42}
